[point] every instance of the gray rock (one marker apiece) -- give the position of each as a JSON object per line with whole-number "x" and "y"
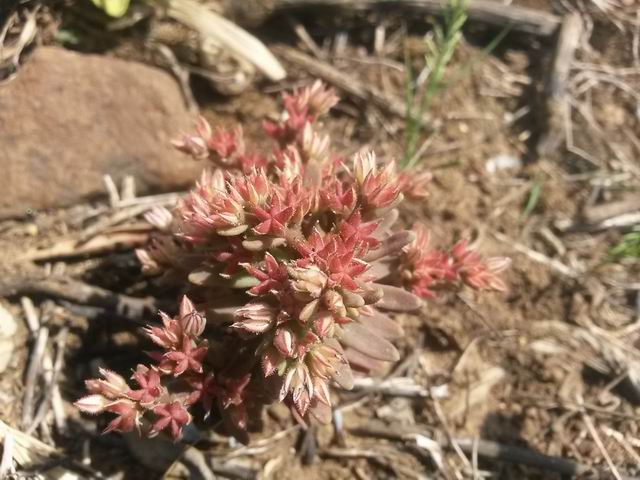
{"x": 68, "y": 119}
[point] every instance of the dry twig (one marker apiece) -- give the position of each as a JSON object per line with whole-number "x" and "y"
{"x": 556, "y": 88}
{"x": 596, "y": 438}
{"x": 485, "y": 449}
{"x": 519, "y": 19}
{"x": 556, "y": 265}
{"x": 396, "y": 387}
{"x": 100, "y": 244}
{"x": 33, "y": 371}
{"x": 244, "y": 46}
{"x": 342, "y": 81}
{"x": 115, "y": 218}
{"x": 30, "y": 314}
{"x": 132, "y": 308}
{"x": 52, "y": 397}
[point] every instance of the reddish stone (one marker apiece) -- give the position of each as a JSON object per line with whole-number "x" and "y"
{"x": 67, "y": 119}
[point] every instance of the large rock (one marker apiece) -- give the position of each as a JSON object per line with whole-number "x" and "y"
{"x": 68, "y": 119}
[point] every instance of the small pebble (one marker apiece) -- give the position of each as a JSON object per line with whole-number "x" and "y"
{"x": 502, "y": 162}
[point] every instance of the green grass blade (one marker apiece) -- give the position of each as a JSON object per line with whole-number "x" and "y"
{"x": 629, "y": 247}
{"x": 440, "y": 50}
{"x": 534, "y": 198}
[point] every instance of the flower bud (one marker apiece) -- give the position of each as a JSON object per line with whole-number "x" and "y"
{"x": 309, "y": 280}
{"x": 111, "y": 385}
{"x": 308, "y": 310}
{"x": 321, "y": 390}
{"x": 291, "y": 165}
{"x": 225, "y": 143}
{"x": 285, "y": 342}
{"x": 192, "y": 145}
{"x": 270, "y": 361}
{"x": 353, "y": 313}
{"x": 255, "y": 317}
{"x": 315, "y": 147}
{"x": 364, "y": 163}
{"x": 372, "y": 296}
{"x": 323, "y": 324}
{"x": 322, "y": 360}
{"x": 215, "y": 179}
{"x": 92, "y": 404}
{"x": 301, "y": 400}
{"x": 318, "y": 98}
{"x": 288, "y": 379}
{"x": 191, "y": 321}
{"x": 352, "y": 299}
{"x": 334, "y": 302}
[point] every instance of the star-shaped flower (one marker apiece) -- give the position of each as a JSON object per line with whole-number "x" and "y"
{"x": 150, "y": 388}
{"x": 172, "y": 415}
{"x": 127, "y": 418}
{"x": 274, "y": 220}
{"x": 204, "y": 390}
{"x": 186, "y": 358}
{"x": 234, "y": 390}
{"x": 271, "y": 278}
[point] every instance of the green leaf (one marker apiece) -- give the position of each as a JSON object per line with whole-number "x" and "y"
{"x": 440, "y": 48}
{"x": 67, "y": 37}
{"x": 534, "y": 197}
{"x": 629, "y": 247}
{"x": 113, "y": 8}
{"x": 243, "y": 280}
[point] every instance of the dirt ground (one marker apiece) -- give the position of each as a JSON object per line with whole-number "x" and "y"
{"x": 550, "y": 368}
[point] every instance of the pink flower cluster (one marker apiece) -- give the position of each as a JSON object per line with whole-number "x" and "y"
{"x": 152, "y": 405}
{"x": 289, "y": 254}
{"x": 424, "y": 269}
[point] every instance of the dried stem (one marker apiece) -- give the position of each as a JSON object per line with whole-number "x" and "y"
{"x": 33, "y": 371}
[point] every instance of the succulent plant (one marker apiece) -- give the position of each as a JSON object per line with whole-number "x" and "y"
{"x": 289, "y": 259}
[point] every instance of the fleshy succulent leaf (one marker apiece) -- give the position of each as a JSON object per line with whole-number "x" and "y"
{"x": 398, "y": 300}
{"x": 363, "y": 362}
{"x": 382, "y": 325}
{"x": 356, "y": 336}
{"x": 391, "y": 245}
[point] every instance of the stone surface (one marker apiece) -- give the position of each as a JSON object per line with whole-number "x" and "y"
{"x": 68, "y": 119}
